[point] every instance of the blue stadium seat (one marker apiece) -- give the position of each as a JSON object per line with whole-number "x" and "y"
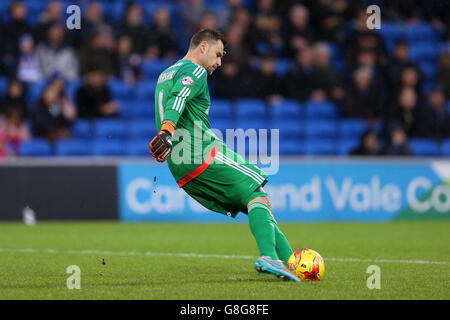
{"x": 352, "y": 127}
{"x": 291, "y": 147}
{"x": 420, "y": 31}
{"x": 320, "y": 147}
{"x": 321, "y": 129}
{"x": 289, "y": 128}
{"x": 142, "y": 128}
{"x": 321, "y": 110}
{"x": 428, "y": 68}
{"x": 72, "y": 87}
{"x": 391, "y": 31}
{"x": 447, "y": 103}
{"x": 108, "y": 147}
{"x": 145, "y": 89}
{"x": 251, "y": 123}
{"x": 282, "y": 66}
{"x": 83, "y": 129}
{"x": 35, "y": 147}
{"x": 3, "y": 86}
{"x": 424, "y": 147}
{"x": 221, "y": 108}
{"x": 446, "y": 148}
{"x": 153, "y": 68}
{"x": 137, "y": 147}
{"x": 34, "y": 93}
{"x": 114, "y": 11}
{"x": 423, "y": 50}
{"x": 286, "y": 109}
{"x": 72, "y": 147}
{"x": 119, "y": 89}
{"x": 137, "y": 108}
{"x": 345, "y": 146}
{"x": 222, "y": 124}
{"x": 251, "y": 108}
{"x": 111, "y": 128}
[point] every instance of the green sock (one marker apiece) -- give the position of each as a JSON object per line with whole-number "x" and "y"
{"x": 282, "y": 245}
{"x": 263, "y": 229}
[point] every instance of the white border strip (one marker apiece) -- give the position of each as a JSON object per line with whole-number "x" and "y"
{"x": 200, "y": 255}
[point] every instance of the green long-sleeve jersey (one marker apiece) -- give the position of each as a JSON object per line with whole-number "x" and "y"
{"x": 182, "y": 96}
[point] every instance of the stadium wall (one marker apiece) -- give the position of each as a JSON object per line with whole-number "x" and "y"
{"x": 303, "y": 189}
{"x": 67, "y": 190}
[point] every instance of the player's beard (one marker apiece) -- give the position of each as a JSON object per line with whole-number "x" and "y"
{"x": 210, "y": 70}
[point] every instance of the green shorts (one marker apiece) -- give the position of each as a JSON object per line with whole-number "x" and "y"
{"x": 228, "y": 184}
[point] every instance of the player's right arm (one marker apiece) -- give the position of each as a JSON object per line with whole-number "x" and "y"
{"x": 187, "y": 84}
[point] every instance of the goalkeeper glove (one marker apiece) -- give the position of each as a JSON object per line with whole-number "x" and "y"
{"x": 161, "y": 145}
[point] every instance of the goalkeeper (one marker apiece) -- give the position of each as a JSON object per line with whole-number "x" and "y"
{"x": 214, "y": 175}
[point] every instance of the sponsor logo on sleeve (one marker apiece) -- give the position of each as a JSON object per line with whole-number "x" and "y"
{"x": 187, "y": 81}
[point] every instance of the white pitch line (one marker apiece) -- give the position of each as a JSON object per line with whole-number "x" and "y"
{"x": 200, "y": 255}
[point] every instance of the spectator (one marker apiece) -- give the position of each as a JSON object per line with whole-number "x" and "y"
{"x": 298, "y": 33}
{"x": 327, "y": 84}
{"x": 52, "y": 14}
{"x": 128, "y": 64}
{"x": 226, "y": 14}
{"x": 134, "y": 28}
{"x": 436, "y": 118}
{"x": 15, "y": 98}
{"x": 14, "y": 129}
{"x": 236, "y": 49}
{"x": 369, "y": 145}
{"x": 99, "y": 52}
{"x": 55, "y": 112}
{"x": 191, "y": 13}
{"x": 163, "y": 37}
{"x": 92, "y": 19}
{"x": 398, "y": 143}
{"x": 55, "y": 56}
{"x": 443, "y": 74}
{"x": 93, "y": 97}
{"x": 207, "y": 21}
{"x": 11, "y": 33}
{"x": 28, "y": 67}
{"x": 265, "y": 82}
{"x": 229, "y": 83}
{"x": 243, "y": 20}
{"x": 267, "y": 28}
{"x": 398, "y": 62}
{"x": 362, "y": 98}
{"x": 3, "y": 146}
{"x": 407, "y": 112}
{"x": 301, "y": 72}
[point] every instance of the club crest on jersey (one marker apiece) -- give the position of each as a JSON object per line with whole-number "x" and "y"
{"x": 187, "y": 81}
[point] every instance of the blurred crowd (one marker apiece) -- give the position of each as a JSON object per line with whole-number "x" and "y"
{"x": 310, "y": 50}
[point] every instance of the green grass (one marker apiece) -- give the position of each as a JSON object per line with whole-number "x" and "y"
{"x": 168, "y": 274}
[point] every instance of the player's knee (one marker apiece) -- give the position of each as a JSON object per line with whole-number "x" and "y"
{"x": 264, "y": 200}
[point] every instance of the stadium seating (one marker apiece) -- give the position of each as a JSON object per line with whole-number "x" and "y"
{"x": 83, "y": 129}
{"x": 424, "y": 147}
{"x": 111, "y": 128}
{"x": 141, "y": 128}
{"x": 137, "y": 147}
{"x": 108, "y": 147}
{"x": 446, "y": 148}
{"x": 352, "y": 128}
{"x": 72, "y": 147}
{"x": 251, "y": 108}
{"x": 35, "y": 147}
{"x": 321, "y": 129}
{"x": 320, "y": 147}
{"x": 346, "y": 145}
{"x": 286, "y": 109}
{"x": 321, "y": 110}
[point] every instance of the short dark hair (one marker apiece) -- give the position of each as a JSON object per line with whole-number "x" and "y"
{"x": 208, "y": 35}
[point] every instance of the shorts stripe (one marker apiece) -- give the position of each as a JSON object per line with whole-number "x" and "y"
{"x": 253, "y": 173}
{"x": 241, "y": 169}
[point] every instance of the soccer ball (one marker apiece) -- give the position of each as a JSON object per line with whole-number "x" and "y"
{"x": 306, "y": 264}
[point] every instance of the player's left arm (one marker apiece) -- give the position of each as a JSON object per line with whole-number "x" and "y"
{"x": 186, "y": 87}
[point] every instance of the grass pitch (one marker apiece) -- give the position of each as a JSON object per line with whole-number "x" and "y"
{"x": 215, "y": 261}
